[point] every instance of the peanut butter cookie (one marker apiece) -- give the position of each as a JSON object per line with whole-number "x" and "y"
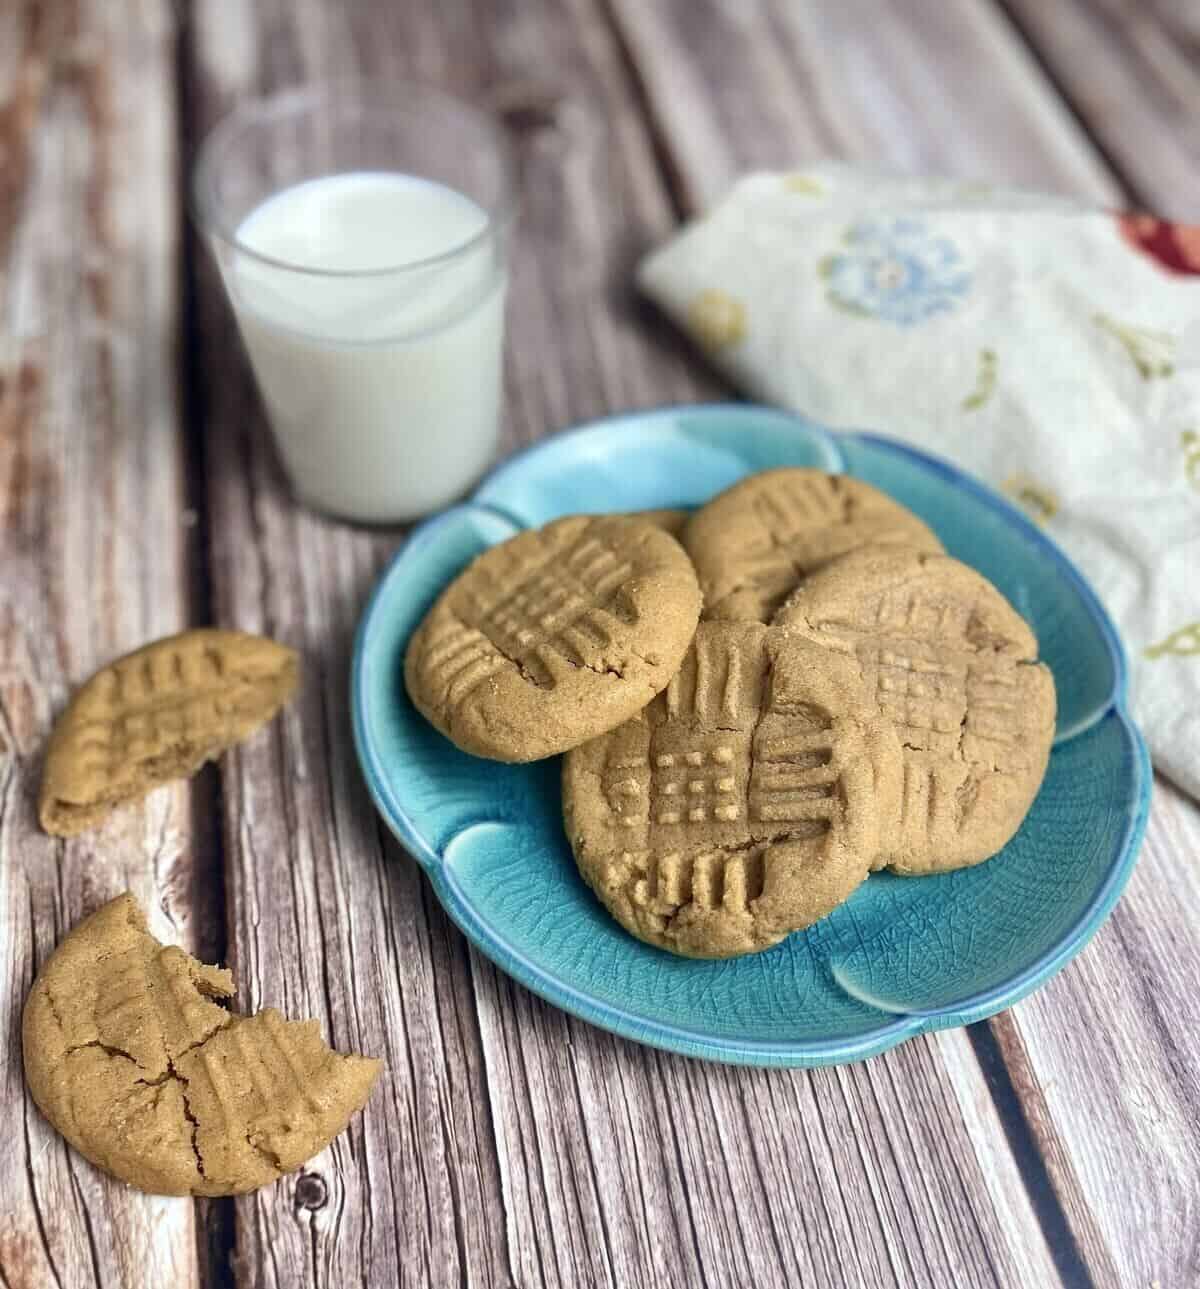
{"x": 741, "y": 804}
{"x": 155, "y": 715}
{"x": 554, "y": 636}
{"x": 755, "y": 542}
{"x": 129, "y": 1057}
{"x": 953, "y": 666}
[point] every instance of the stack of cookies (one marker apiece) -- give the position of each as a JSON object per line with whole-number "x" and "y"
{"x": 760, "y": 703}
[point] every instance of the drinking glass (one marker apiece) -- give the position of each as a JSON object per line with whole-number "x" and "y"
{"x": 362, "y": 234}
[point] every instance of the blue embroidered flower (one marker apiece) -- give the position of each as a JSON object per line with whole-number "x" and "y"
{"x": 895, "y": 270}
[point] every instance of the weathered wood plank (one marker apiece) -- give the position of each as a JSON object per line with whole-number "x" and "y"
{"x": 325, "y": 917}
{"x": 92, "y": 554}
{"x": 1132, "y": 73}
{"x": 918, "y": 86}
{"x": 639, "y": 1173}
{"x": 1108, "y": 1061}
{"x": 1113, "y": 1040}
{"x": 615, "y": 1165}
{"x": 640, "y": 1168}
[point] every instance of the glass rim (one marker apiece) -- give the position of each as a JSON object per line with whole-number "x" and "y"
{"x": 375, "y": 97}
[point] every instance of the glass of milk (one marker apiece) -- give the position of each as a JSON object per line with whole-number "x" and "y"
{"x": 362, "y": 233}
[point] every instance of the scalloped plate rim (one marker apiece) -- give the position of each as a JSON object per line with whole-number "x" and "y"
{"x": 700, "y": 1043}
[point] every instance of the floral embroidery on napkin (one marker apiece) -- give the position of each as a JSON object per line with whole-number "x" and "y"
{"x": 805, "y": 185}
{"x": 1175, "y": 247}
{"x": 1183, "y": 643}
{"x": 1152, "y": 352}
{"x": 1190, "y": 442}
{"x": 1039, "y": 502}
{"x": 985, "y": 382}
{"x": 716, "y": 319}
{"x": 895, "y": 270}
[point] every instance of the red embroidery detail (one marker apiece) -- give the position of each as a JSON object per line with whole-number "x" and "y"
{"x": 1176, "y": 247}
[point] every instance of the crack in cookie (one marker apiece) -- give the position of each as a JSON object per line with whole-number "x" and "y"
{"x": 155, "y": 715}
{"x": 128, "y": 1057}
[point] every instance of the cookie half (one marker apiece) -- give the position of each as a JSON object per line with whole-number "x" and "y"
{"x": 755, "y": 542}
{"x": 155, "y": 715}
{"x": 743, "y": 803}
{"x": 953, "y": 665}
{"x": 129, "y": 1057}
{"x": 554, "y": 636}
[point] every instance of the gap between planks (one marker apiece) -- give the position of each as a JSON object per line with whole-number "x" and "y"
{"x": 216, "y": 1217}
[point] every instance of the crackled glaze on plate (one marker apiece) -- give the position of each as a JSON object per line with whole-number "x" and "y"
{"x": 903, "y": 955}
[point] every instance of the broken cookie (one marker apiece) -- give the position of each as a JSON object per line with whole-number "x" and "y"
{"x": 129, "y": 1057}
{"x": 158, "y": 714}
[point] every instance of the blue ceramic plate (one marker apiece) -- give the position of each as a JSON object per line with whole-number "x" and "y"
{"x": 903, "y": 955}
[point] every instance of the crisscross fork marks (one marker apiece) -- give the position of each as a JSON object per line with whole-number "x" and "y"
{"x": 788, "y": 511}
{"x": 903, "y": 612}
{"x": 993, "y": 716}
{"x": 459, "y": 658}
{"x": 699, "y": 783}
{"x": 789, "y": 507}
{"x": 925, "y": 698}
{"x": 946, "y": 705}
{"x": 919, "y": 682}
{"x": 794, "y": 781}
{"x": 712, "y": 686}
{"x": 566, "y": 607}
{"x": 158, "y": 703}
{"x": 710, "y": 880}
{"x": 157, "y": 714}
{"x": 143, "y": 680}
{"x": 625, "y": 778}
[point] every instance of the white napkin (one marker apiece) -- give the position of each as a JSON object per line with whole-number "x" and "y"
{"x": 1051, "y": 348}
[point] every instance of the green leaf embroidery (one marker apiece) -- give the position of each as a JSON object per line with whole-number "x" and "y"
{"x": 806, "y": 185}
{"x": 1182, "y": 643}
{"x": 1152, "y": 352}
{"x": 1038, "y": 501}
{"x": 846, "y": 306}
{"x": 985, "y": 382}
{"x": 1190, "y": 442}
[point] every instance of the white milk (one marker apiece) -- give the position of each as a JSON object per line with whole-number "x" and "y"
{"x": 383, "y": 388}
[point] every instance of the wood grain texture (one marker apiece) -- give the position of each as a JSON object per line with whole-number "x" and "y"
{"x": 325, "y": 917}
{"x": 1132, "y": 73}
{"x": 91, "y": 559}
{"x": 767, "y": 84}
{"x": 1103, "y": 1059}
{"x": 1114, "y": 1095}
{"x": 625, "y": 1166}
{"x": 327, "y": 920}
{"x": 598, "y": 1162}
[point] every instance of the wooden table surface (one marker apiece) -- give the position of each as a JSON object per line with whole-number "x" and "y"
{"x": 507, "y": 1143}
